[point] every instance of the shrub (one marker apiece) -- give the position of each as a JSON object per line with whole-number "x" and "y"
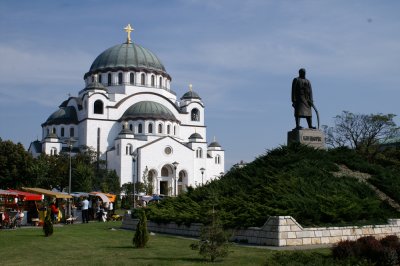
{"x": 391, "y": 241}
{"x": 213, "y": 240}
{"x": 370, "y": 248}
{"x": 389, "y": 257}
{"x": 141, "y": 234}
{"x": 48, "y": 225}
{"x": 344, "y": 249}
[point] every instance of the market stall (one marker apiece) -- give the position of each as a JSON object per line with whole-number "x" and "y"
{"x": 59, "y": 197}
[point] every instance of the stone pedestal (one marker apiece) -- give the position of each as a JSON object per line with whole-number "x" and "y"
{"x": 311, "y": 137}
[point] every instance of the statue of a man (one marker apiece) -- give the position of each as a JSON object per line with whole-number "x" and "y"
{"x": 302, "y": 99}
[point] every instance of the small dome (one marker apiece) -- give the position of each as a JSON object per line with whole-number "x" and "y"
{"x": 214, "y": 144}
{"x": 125, "y": 131}
{"x": 52, "y": 135}
{"x": 127, "y": 56}
{"x": 96, "y": 86}
{"x": 190, "y": 95}
{"x": 148, "y": 110}
{"x": 195, "y": 136}
{"x": 64, "y": 115}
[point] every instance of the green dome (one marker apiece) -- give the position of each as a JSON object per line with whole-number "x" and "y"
{"x": 64, "y": 115}
{"x": 148, "y": 110}
{"x": 214, "y": 144}
{"x": 190, "y": 95}
{"x": 127, "y": 56}
{"x": 95, "y": 86}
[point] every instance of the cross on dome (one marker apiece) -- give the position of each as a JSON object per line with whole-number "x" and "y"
{"x": 128, "y": 30}
{"x": 190, "y": 87}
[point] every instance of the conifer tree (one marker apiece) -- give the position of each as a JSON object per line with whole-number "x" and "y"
{"x": 213, "y": 239}
{"x": 141, "y": 234}
{"x": 48, "y": 225}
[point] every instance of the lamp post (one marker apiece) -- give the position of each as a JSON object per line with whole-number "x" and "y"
{"x": 134, "y": 157}
{"x": 70, "y": 143}
{"x": 175, "y": 164}
{"x": 202, "y": 173}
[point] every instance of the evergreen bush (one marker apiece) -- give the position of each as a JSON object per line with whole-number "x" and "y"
{"x": 213, "y": 239}
{"x": 48, "y": 225}
{"x": 293, "y": 180}
{"x": 141, "y": 236}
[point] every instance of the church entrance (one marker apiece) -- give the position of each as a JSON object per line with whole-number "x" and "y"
{"x": 164, "y": 187}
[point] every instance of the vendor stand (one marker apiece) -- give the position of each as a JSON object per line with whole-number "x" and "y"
{"x": 51, "y": 194}
{"x": 27, "y": 203}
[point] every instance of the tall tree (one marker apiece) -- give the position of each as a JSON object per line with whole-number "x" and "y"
{"x": 362, "y": 132}
{"x": 14, "y": 164}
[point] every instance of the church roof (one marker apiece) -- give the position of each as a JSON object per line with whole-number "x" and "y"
{"x": 190, "y": 95}
{"x": 64, "y": 115}
{"x": 195, "y": 136}
{"x": 214, "y": 144}
{"x": 96, "y": 85}
{"x": 148, "y": 110}
{"x": 127, "y": 56}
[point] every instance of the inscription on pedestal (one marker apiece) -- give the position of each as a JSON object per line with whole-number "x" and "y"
{"x": 312, "y": 137}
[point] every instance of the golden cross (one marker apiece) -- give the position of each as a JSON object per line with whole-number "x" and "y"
{"x": 190, "y": 87}
{"x": 128, "y": 30}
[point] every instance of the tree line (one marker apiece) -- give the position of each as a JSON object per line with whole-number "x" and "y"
{"x": 19, "y": 169}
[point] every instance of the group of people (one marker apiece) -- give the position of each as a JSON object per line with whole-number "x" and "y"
{"x": 11, "y": 221}
{"x": 92, "y": 209}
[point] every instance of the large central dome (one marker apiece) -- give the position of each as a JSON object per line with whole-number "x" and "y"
{"x": 148, "y": 110}
{"x": 127, "y": 56}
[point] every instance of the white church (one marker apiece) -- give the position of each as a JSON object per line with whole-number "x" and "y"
{"x": 129, "y": 114}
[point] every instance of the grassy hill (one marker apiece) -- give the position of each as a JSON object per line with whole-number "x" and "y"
{"x": 291, "y": 180}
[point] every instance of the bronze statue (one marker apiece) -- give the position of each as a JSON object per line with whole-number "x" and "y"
{"x": 302, "y": 99}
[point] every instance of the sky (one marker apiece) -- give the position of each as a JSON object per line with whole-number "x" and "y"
{"x": 240, "y": 55}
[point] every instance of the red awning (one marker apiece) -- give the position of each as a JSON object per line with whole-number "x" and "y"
{"x": 26, "y": 195}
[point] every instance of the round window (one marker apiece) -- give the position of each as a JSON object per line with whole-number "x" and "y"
{"x": 168, "y": 150}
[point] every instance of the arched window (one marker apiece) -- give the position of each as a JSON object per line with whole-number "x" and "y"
{"x": 217, "y": 159}
{"x": 132, "y": 78}
{"x": 199, "y": 153}
{"x": 98, "y": 107}
{"x": 174, "y": 130}
{"x": 181, "y": 176}
{"x": 120, "y": 78}
{"x": 164, "y": 171}
{"x": 143, "y": 79}
{"x": 71, "y": 131}
{"x": 140, "y": 128}
{"x": 168, "y": 129}
{"x": 48, "y": 131}
{"x": 160, "y": 128}
{"x": 130, "y": 127}
{"x": 129, "y": 149}
{"x": 62, "y": 132}
{"x": 195, "y": 114}
{"x": 54, "y": 130}
{"x": 100, "y": 79}
{"x": 150, "y": 128}
{"x": 152, "y": 81}
{"x": 53, "y": 151}
{"x": 160, "y": 82}
{"x": 109, "y": 79}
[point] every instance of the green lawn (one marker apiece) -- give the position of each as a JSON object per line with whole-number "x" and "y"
{"x": 97, "y": 244}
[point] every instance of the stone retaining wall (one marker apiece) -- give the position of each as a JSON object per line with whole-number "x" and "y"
{"x": 281, "y": 231}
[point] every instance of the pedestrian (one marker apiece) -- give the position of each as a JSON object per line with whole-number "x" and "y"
{"x": 54, "y": 211}
{"x": 85, "y": 211}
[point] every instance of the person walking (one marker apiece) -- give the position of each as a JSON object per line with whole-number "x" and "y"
{"x": 85, "y": 211}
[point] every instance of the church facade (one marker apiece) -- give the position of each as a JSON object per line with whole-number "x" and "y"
{"x": 129, "y": 114}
